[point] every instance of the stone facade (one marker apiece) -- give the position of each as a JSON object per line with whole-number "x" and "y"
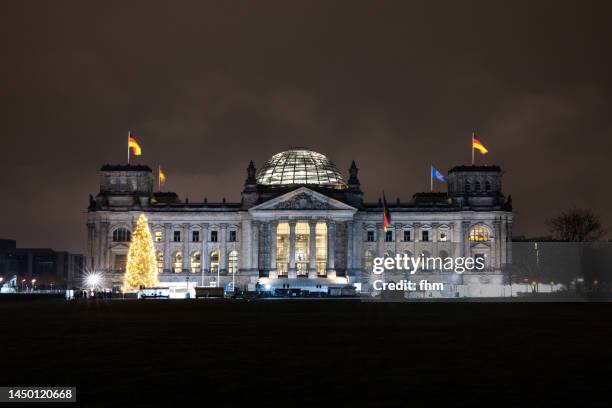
{"x": 331, "y": 234}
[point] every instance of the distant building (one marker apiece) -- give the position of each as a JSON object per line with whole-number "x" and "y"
{"x": 301, "y": 225}
{"x": 48, "y": 267}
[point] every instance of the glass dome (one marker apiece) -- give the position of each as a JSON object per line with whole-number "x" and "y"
{"x": 300, "y": 166}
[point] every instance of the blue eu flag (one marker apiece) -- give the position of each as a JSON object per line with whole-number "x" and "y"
{"x": 435, "y": 174}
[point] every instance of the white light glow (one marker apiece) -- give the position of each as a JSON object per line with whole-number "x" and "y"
{"x": 92, "y": 279}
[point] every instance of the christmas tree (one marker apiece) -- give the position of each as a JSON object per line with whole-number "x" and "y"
{"x": 141, "y": 269}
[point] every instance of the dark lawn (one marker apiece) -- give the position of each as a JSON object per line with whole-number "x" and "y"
{"x": 305, "y": 352}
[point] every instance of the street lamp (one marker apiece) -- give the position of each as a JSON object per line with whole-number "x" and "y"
{"x": 22, "y": 284}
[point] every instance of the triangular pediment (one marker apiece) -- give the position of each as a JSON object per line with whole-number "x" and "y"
{"x": 303, "y": 198}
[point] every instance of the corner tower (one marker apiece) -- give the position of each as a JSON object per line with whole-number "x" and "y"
{"x": 477, "y": 187}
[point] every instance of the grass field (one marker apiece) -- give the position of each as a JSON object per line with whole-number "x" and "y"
{"x": 305, "y": 352}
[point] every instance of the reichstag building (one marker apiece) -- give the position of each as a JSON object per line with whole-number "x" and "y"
{"x": 301, "y": 224}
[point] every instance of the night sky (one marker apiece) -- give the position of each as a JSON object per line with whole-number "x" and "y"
{"x": 208, "y": 86}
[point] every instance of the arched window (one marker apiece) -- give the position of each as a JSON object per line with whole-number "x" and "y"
{"x": 477, "y": 186}
{"x": 232, "y": 262}
{"x": 479, "y": 233}
{"x": 196, "y": 262}
{"x": 159, "y": 257}
{"x": 214, "y": 262}
{"x": 368, "y": 261}
{"x": 122, "y": 234}
{"x": 468, "y": 186}
{"x": 487, "y": 185}
{"x": 177, "y": 262}
{"x": 158, "y": 236}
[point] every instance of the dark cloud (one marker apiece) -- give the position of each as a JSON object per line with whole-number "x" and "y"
{"x": 208, "y": 86}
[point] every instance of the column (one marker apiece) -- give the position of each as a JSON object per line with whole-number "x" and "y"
{"x": 397, "y": 238}
{"x": 273, "y": 273}
{"x": 245, "y": 247}
{"x": 465, "y": 236}
{"x": 105, "y": 244}
{"x": 508, "y": 242}
{"x": 255, "y": 245}
{"x": 357, "y": 247}
{"x": 292, "y": 271}
{"x": 223, "y": 250}
{"x": 331, "y": 249}
{"x": 98, "y": 246}
{"x": 167, "y": 255}
{"x": 457, "y": 241}
{"x": 101, "y": 241}
{"x": 186, "y": 255}
{"x": 349, "y": 247}
{"x": 312, "y": 249}
{"x": 380, "y": 239}
{"x": 495, "y": 263}
{"x": 204, "y": 249}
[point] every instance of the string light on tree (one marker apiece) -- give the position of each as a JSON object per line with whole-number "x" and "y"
{"x": 141, "y": 268}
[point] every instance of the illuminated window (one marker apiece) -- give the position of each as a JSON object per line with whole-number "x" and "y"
{"x": 177, "y": 262}
{"x": 232, "y": 262}
{"x": 196, "y": 262}
{"x": 282, "y": 248}
{"x": 443, "y": 236}
{"x": 159, "y": 236}
{"x": 321, "y": 248}
{"x": 122, "y": 235}
{"x": 214, "y": 261}
{"x": 479, "y": 234}
{"x": 302, "y": 248}
{"x": 159, "y": 256}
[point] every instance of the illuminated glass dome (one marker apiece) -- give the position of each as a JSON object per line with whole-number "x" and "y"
{"x": 300, "y": 166}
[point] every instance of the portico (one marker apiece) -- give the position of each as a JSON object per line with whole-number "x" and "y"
{"x": 302, "y": 240}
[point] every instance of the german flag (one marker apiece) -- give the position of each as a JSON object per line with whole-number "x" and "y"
{"x": 477, "y": 144}
{"x": 386, "y": 214}
{"x": 133, "y": 144}
{"x": 162, "y": 177}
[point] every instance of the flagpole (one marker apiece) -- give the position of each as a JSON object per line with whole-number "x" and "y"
{"x": 128, "y": 146}
{"x": 431, "y": 179}
{"x": 158, "y": 177}
{"x": 472, "y": 146}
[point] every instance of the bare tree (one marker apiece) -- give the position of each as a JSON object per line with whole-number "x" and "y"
{"x": 577, "y": 225}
